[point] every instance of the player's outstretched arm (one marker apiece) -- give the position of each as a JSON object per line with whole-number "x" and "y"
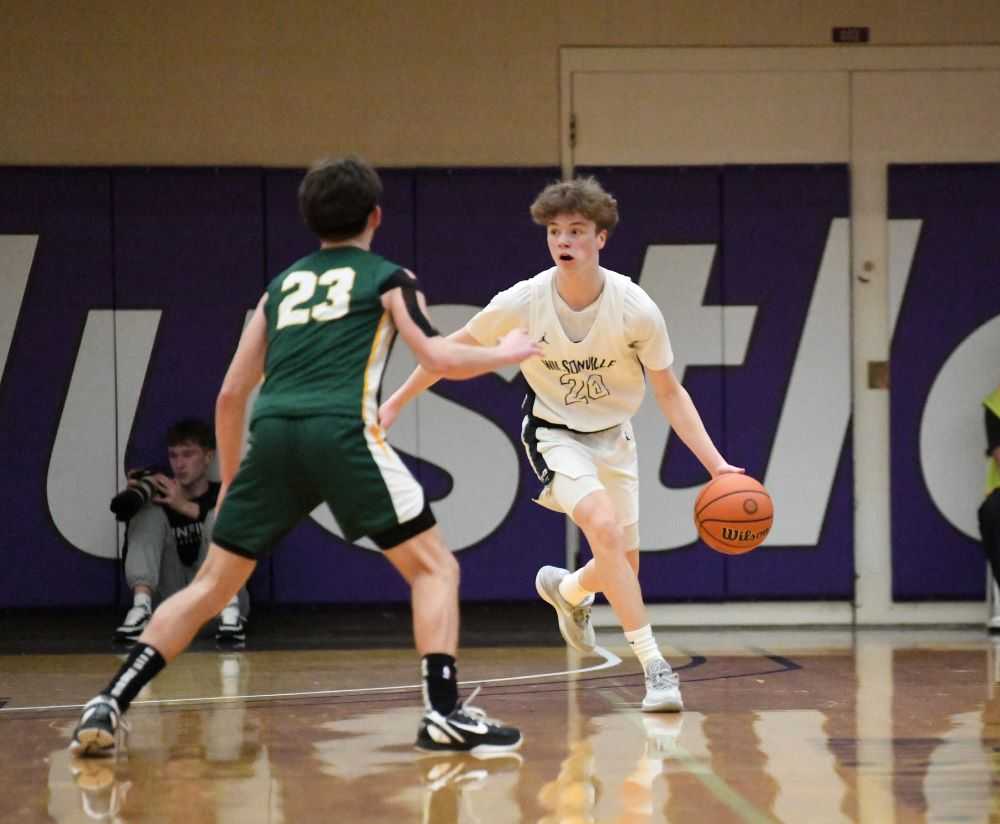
{"x": 244, "y": 373}
{"x": 420, "y": 379}
{"x": 680, "y": 411}
{"x": 457, "y": 357}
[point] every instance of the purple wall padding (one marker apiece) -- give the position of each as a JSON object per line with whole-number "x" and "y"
{"x": 475, "y": 237}
{"x": 187, "y": 242}
{"x": 775, "y": 226}
{"x": 70, "y": 211}
{"x": 200, "y": 245}
{"x": 959, "y": 246}
{"x": 190, "y": 243}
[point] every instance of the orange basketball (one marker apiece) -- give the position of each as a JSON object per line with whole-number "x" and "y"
{"x": 733, "y": 513}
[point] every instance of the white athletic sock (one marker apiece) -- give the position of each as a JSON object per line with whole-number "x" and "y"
{"x": 570, "y": 589}
{"x": 143, "y": 599}
{"x": 644, "y": 645}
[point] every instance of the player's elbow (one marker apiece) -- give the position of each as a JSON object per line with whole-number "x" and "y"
{"x": 435, "y": 364}
{"x": 436, "y": 356}
{"x": 668, "y": 391}
{"x": 230, "y": 397}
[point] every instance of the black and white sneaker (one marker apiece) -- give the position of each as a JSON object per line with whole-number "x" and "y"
{"x": 96, "y": 732}
{"x": 232, "y": 629}
{"x": 465, "y": 729}
{"x": 136, "y": 620}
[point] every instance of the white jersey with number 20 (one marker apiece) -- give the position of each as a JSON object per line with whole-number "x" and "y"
{"x": 597, "y": 382}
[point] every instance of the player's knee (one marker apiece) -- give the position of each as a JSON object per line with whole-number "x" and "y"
{"x": 605, "y": 534}
{"x": 445, "y": 567}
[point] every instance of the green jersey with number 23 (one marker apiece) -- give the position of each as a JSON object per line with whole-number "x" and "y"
{"x": 328, "y": 335}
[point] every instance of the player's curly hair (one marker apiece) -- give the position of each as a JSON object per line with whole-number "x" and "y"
{"x": 584, "y": 196}
{"x": 337, "y": 195}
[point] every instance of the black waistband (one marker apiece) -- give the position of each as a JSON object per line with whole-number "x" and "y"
{"x": 541, "y": 423}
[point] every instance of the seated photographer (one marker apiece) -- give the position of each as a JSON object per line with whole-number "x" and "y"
{"x": 169, "y": 530}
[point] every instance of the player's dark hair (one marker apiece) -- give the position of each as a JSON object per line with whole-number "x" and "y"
{"x": 583, "y": 196}
{"x": 337, "y": 195}
{"x": 191, "y": 430}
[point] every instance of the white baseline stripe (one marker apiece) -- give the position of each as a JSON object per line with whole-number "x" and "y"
{"x": 610, "y": 660}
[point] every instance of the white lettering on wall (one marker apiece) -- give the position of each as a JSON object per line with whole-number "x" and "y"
{"x": 16, "y": 254}
{"x": 952, "y": 428}
{"x": 85, "y": 468}
{"x": 817, "y": 406}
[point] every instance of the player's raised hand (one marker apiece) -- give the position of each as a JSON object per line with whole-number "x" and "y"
{"x": 517, "y": 346}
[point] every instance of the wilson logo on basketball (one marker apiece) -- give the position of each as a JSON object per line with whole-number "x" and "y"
{"x": 752, "y": 535}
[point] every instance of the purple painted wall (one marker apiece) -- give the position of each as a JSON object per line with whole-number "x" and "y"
{"x": 953, "y": 289}
{"x": 776, "y": 223}
{"x": 70, "y": 211}
{"x": 200, "y": 245}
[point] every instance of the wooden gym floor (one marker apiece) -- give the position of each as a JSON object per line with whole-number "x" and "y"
{"x": 792, "y": 726}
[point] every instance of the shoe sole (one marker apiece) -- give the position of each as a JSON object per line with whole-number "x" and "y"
{"x": 479, "y": 749}
{"x": 579, "y": 647}
{"x": 91, "y": 742}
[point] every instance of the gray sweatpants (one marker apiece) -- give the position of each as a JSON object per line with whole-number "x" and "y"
{"x": 152, "y": 557}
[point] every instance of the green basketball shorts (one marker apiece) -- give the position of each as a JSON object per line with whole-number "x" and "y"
{"x": 295, "y": 464}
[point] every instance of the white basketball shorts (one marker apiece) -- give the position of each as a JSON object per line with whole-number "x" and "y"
{"x": 578, "y": 464}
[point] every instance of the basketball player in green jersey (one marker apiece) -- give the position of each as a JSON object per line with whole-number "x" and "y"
{"x": 321, "y": 335}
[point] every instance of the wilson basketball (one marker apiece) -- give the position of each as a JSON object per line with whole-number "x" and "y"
{"x": 733, "y": 513}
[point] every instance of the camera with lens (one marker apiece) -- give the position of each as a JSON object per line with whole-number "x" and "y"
{"x": 131, "y": 499}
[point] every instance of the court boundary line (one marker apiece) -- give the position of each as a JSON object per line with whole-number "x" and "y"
{"x": 610, "y": 660}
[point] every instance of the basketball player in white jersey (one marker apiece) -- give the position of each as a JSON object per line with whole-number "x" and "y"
{"x": 601, "y": 337}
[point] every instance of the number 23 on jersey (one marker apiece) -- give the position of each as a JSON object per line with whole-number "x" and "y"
{"x": 301, "y": 286}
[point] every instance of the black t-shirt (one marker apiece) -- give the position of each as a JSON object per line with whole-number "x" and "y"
{"x": 188, "y": 531}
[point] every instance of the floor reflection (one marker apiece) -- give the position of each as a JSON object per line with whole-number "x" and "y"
{"x": 888, "y": 728}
